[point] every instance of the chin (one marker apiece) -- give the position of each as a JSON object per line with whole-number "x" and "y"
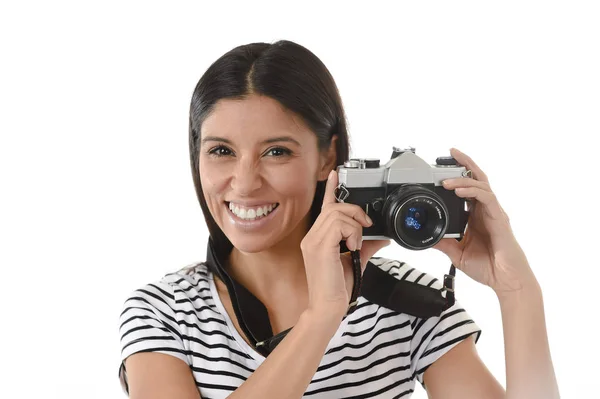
{"x": 251, "y": 244}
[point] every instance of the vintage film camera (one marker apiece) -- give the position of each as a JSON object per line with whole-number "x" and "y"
{"x": 405, "y": 198}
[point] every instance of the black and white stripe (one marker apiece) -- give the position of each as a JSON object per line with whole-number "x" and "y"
{"x": 377, "y": 353}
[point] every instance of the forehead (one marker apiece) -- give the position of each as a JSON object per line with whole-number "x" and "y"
{"x": 255, "y": 117}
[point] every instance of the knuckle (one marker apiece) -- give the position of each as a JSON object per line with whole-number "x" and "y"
{"x": 303, "y": 244}
{"x": 357, "y": 208}
{"x": 337, "y": 213}
{"x": 306, "y": 244}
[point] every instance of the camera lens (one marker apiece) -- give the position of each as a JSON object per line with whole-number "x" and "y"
{"x": 415, "y": 216}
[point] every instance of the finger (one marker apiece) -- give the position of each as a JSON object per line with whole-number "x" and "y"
{"x": 326, "y": 226}
{"x": 329, "y": 196}
{"x": 342, "y": 228}
{"x": 487, "y": 198}
{"x": 352, "y": 210}
{"x": 451, "y": 184}
{"x": 500, "y": 230}
{"x": 329, "y": 219}
{"x": 467, "y": 162}
{"x": 370, "y": 248}
{"x": 505, "y": 214}
{"x": 451, "y": 248}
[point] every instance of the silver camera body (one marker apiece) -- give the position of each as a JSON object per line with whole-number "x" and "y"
{"x": 405, "y": 198}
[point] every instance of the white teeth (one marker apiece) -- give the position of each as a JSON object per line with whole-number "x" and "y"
{"x": 252, "y": 213}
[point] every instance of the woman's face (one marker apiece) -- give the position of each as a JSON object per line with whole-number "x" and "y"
{"x": 259, "y": 165}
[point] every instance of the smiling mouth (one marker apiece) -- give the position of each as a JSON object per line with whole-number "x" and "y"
{"x": 251, "y": 213}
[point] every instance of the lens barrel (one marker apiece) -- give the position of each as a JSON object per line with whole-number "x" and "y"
{"x": 415, "y": 217}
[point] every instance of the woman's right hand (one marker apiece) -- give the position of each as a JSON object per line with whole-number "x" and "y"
{"x": 326, "y": 268}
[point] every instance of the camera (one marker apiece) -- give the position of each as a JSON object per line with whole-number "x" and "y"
{"x": 405, "y": 198}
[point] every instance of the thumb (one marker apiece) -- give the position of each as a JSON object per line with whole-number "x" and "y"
{"x": 451, "y": 248}
{"x": 330, "y": 186}
{"x": 370, "y": 248}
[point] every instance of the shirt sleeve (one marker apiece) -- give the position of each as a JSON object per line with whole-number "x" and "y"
{"x": 148, "y": 323}
{"x": 435, "y": 336}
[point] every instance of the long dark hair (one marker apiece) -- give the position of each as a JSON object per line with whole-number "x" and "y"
{"x": 286, "y": 72}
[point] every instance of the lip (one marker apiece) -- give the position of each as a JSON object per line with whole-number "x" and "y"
{"x": 249, "y": 224}
{"x": 252, "y": 204}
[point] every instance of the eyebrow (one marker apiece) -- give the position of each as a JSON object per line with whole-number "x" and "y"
{"x": 287, "y": 139}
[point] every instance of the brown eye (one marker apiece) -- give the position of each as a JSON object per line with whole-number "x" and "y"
{"x": 220, "y": 151}
{"x": 278, "y": 152}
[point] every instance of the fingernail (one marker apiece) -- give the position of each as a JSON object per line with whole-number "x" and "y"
{"x": 369, "y": 220}
{"x": 330, "y": 175}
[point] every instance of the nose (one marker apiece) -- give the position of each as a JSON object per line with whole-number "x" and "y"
{"x": 246, "y": 178}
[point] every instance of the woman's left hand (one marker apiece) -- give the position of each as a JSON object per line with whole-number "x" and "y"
{"x": 489, "y": 252}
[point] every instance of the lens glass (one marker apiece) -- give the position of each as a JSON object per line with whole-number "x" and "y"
{"x": 420, "y": 221}
{"x": 416, "y": 218}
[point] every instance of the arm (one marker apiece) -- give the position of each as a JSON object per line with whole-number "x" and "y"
{"x": 529, "y": 369}
{"x": 152, "y": 350}
{"x": 153, "y": 375}
{"x": 460, "y": 373}
{"x": 529, "y": 372}
{"x": 286, "y": 373}
{"x": 490, "y": 254}
{"x": 288, "y": 370}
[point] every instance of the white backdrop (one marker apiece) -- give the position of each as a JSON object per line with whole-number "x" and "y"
{"x": 97, "y": 196}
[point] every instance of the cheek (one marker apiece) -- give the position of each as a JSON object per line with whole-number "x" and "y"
{"x": 213, "y": 179}
{"x": 298, "y": 183}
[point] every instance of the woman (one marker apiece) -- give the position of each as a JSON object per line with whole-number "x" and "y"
{"x": 267, "y": 129}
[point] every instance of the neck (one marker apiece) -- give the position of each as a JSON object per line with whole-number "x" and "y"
{"x": 275, "y": 271}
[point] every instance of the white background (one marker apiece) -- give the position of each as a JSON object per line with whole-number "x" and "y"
{"x": 97, "y": 196}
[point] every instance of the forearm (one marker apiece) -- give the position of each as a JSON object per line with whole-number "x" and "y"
{"x": 529, "y": 369}
{"x": 288, "y": 370}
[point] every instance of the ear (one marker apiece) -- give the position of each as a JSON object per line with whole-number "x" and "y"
{"x": 328, "y": 159}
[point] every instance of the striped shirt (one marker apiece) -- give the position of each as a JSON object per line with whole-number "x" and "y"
{"x": 375, "y": 353}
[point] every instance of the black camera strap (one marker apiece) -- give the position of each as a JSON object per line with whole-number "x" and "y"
{"x": 403, "y": 296}
{"x": 375, "y": 285}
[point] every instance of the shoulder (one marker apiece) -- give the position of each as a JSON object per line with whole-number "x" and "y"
{"x": 404, "y": 271}
{"x": 190, "y": 275}
{"x": 168, "y": 290}
{"x": 165, "y": 307}
{"x": 160, "y": 316}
